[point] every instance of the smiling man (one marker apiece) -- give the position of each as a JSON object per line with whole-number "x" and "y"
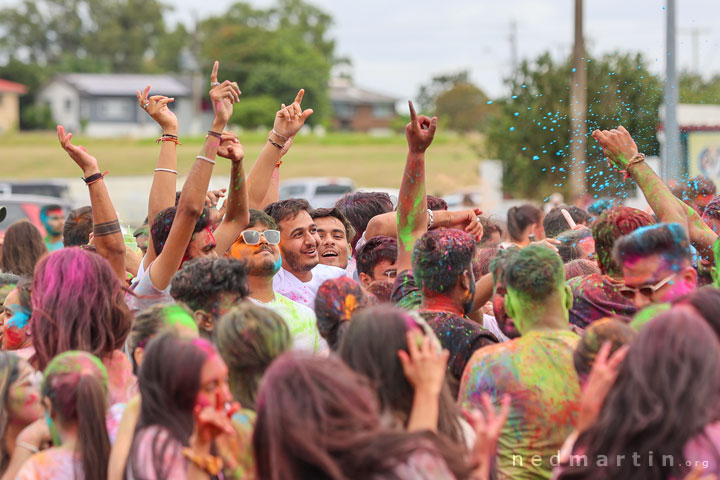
{"x": 257, "y": 246}
{"x": 301, "y": 273}
{"x": 334, "y": 231}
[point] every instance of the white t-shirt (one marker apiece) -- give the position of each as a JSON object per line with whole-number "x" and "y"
{"x": 301, "y": 322}
{"x": 290, "y": 286}
{"x": 146, "y": 295}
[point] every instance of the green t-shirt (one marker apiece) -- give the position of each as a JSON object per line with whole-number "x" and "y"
{"x": 301, "y": 322}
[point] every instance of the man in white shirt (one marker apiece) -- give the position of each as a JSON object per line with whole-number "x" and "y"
{"x": 335, "y": 232}
{"x": 301, "y": 273}
{"x": 258, "y": 247}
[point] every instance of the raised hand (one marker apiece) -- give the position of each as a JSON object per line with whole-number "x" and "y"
{"x": 469, "y": 221}
{"x": 425, "y": 364}
{"x": 213, "y": 421}
{"x": 157, "y": 107}
{"x": 602, "y": 377}
{"x": 231, "y": 148}
{"x": 213, "y": 197}
{"x": 80, "y": 156}
{"x": 290, "y": 119}
{"x": 420, "y": 131}
{"x": 223, "y": 96}
{"x": 617, "y": 144}
{"x": 488, "y": 426}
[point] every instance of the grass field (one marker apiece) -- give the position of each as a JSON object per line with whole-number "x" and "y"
{"x": 369, "y": 161}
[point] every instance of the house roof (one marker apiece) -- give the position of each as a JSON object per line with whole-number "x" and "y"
{"x": 12, "y": 87}
{"x": 344, "y": 91}
{"x": 124, "y": 84}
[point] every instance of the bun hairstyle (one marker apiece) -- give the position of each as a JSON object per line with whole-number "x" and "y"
{"x": 519, "y": 218}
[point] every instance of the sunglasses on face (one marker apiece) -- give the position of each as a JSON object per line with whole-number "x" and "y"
{"x": 646, "y": 290}
{"x": 252, "y": 237}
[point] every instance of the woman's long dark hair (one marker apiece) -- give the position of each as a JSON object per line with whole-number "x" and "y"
{"x": 667, "y": 390}
{"x": 76, "y": 385}
{"x": 9, "y": 373}
{"x": 519, "y": 218}
{"x": 22, "y": 249}
{"x": 169, "y": 384}
{"x": 317, "y": 419}
{"x": 379, "y": 362}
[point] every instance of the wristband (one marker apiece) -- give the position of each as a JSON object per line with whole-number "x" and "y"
{"x": 214, "y": 134}
{"x": 94, "y": 178}
{"x": 275, "y": 144}
{"x": 431, "y": 218}
{"x": 638, "y": 158}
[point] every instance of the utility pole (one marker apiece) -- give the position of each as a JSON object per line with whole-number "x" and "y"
{"x": 512, "y": 38}
{"x": 578, "y": 108}
{"x": 672, "y": 163}
{"x": 695, "y": 33}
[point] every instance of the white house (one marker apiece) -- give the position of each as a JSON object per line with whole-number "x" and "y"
{"x": 105, "y": 105}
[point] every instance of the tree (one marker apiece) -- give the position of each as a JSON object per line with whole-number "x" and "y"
{"x": 693, "y": 89}
{"x": 273, "y": 53}
{"x": 531, "y": 132}
{"x": 463, "y": 108}
{"x": 439, "y": 84}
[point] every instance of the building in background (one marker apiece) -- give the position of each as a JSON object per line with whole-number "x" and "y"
{"x": 104, "y": 105}
{"x": 10, "y": 105}
{"x": 700, "y": 140}
{"x": 359, "y": 110}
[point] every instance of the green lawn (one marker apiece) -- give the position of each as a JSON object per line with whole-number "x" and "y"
{"x": 369, "y": 161}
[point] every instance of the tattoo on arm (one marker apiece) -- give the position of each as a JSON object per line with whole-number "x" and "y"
{"x": 107, "y": 228}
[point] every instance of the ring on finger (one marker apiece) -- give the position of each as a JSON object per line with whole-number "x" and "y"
{"x": 146, "y": 105}
{"x": 214, "y": 84}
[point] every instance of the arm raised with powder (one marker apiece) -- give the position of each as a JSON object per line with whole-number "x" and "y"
{"x": 237, "y": 214}
{"x": 162, "y": 191}
{"x": 412, "y": 204}
{"x": 288, "y": 121}
{"x": 620, "y": 148}
{"x": 192, "y": 198}
{"x": 106, "y": 230}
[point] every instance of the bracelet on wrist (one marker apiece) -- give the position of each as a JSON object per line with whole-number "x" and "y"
{"x": 166, "y": 170}
{"x": 431, "y": 218}
{"x": 214, "y": 134}
{"x": 280, "y": 135}
{"x": 206, "y": 159}
{"x": 168, "y": 138}
{"x": 94, "y": 178}
{"x": 208, "y": 463}
{"x": 275, "y": 144}
{"x": 637, "y": 158}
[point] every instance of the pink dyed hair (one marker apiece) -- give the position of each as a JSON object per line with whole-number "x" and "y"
{"x": 77, "y": 305}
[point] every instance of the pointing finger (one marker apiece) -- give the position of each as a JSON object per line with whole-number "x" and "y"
{"x": 299, "y": 97}
{"x": 413, "y": 115}
{"x": 214, "y": 74}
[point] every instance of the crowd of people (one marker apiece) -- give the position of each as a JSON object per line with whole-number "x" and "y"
{"x": 268, "y": 339}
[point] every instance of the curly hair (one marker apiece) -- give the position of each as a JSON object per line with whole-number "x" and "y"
{"x": 536, "y": 272}
{"x": 440, "y": 257}
{"x": 200, "y": 281}
{"x": 611, "y": 225}
{"x": 249, "y": 337}
{"x": 77, "y": 304}
{"x": 374, "y": 251}
{"x": 22, "y": 249}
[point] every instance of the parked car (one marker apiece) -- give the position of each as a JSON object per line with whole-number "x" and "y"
{"x": 19, "y": 207}
{"x": 48, "y": 188}
{"x": 320, "y": 192}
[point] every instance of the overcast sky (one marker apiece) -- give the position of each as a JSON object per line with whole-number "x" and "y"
{"x": 396, "y": 45}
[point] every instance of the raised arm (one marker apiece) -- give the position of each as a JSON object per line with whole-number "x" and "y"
{"x": 237, "y": 215}
{"x": 162, "y": 191}
{"x": 467, "y": 220}
{"x": 192, "y": 198}
{"x": 106, "y": 231}
{"x": 620, "y": 148}
{"x": 412, "y": 205}
{"x": 288, "y": 121}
